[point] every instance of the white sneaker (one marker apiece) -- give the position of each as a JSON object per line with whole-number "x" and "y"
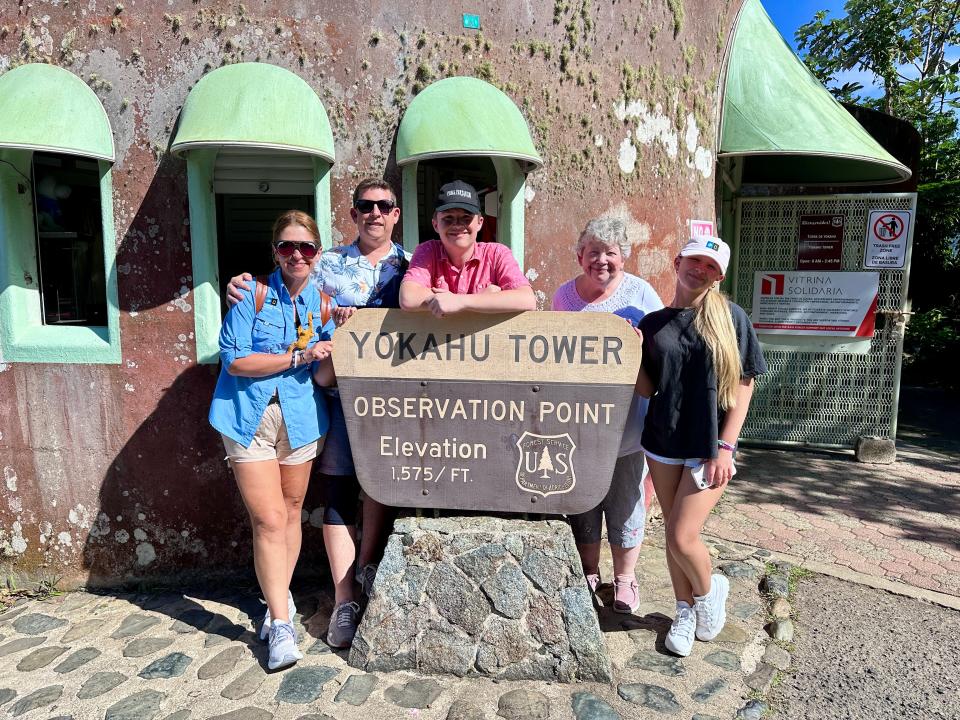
{"x": 711, "y": 609}
{"x": 265, "y": 626}
{"x": 283, "y": 646}
{"x": 679, "y": 638}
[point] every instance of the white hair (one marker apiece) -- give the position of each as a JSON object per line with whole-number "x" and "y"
{"x": 606, "y": 230}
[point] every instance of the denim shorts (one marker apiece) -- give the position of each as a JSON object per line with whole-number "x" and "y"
{"x": 336, "y": 458}
{"x": 623, "y": 507}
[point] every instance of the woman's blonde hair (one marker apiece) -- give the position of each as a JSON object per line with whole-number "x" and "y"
{"x": 715, "y": 324}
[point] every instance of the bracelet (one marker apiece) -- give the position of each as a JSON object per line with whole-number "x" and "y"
{"x": 297, "y": 356}
{"x": 723, "y": 444}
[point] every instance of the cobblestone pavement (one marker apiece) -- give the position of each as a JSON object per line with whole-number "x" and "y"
{"x": 189, "y": 656}
{"x": 899, "y": 523}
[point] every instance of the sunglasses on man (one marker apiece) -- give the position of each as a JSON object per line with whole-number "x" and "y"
{"x": 366, "y": 206}
{"x": 285, "y": 248}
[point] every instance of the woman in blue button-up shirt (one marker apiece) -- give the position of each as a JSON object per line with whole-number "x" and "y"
{"x": 272, "y": 415}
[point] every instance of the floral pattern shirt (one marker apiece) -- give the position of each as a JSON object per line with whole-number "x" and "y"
{"x": 348, "y": 277}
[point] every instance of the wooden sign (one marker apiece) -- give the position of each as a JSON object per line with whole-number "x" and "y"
{"x": 517, "y": 413}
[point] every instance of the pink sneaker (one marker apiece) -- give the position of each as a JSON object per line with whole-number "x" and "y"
{"x": 626, "y": 594}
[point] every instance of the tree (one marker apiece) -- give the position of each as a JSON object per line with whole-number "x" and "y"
{"x": 906, "y": 45}
{"x": 546, "y": 463}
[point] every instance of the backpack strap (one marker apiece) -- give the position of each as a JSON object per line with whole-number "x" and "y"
{"x": 260, "y": 294}
{"x": 326, "y": 309}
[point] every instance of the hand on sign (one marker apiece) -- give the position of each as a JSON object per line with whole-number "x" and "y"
{"x": 444, "y": 303}
{"x": 636, "y": 330}
{"x": 238, "y": 283}
{"x": 342, "y": 314}
{"x": 318, "y": 351}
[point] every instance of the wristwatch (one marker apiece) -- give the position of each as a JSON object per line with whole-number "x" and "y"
{"x": 297, "y": 357}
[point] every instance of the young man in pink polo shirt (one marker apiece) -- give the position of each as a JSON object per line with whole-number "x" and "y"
{"x": 456, "y": 273}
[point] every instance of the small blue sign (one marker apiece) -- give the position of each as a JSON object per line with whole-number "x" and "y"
{"x": 471, "y": 21}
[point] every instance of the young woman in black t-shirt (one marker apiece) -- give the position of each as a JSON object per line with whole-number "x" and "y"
{"x": 700, "y": 356}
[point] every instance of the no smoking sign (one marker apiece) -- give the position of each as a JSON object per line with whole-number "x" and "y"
{"x": 887, "y": 234}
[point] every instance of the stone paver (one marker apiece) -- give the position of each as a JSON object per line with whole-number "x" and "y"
{"x": 37, "y": 699}
{"x": 100, "y": 683}
{"x": 77, "y": 659}
{"x": 894, "y": 522}
{"x": 136, "y": 659}
{"x": 143, "y": 705}
{"x": 303, "y": 685}
{"x": 169, "y": 666}
{"x": 39, "y": 658}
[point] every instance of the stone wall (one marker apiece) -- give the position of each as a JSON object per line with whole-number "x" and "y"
{"x": 503, "y": 598}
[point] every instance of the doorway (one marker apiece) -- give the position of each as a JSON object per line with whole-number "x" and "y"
{"x": 477, "y": 171}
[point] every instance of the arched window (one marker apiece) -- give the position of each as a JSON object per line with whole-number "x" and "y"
{"x": 257, "y": 142}
{"x": 464, "y": 128}
{"x": 58, "y": 281}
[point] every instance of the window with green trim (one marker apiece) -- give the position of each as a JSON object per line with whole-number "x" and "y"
{"x": 69, "y": 228}
{"x": 58, "y": 284}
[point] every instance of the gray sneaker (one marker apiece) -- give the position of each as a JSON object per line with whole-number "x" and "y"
{"x": 343, "y": 625}
{"x": 365, "y": 576}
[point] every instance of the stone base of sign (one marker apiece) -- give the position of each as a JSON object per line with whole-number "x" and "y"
{"x": 870, "y": 449}
{"x": 482, "y": 596}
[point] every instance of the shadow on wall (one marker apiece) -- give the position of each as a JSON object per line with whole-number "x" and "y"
{"x": 168, "y": 505}
{"x": 154, "y": 256}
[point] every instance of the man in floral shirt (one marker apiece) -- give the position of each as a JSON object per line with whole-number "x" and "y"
{"x": 367, "y": 272}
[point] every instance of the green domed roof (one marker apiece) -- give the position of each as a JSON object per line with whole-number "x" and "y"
{"x": 464, "y": 116}
{"x": 47, "y": 108}
{"x": 254, "y": 105}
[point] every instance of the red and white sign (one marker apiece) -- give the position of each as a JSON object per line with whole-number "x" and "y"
{"x": 701, "y": 228}
{"x": 887, "y": 233}
{"x": 815, "y": 303}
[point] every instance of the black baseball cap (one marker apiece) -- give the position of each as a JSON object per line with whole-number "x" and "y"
{"x": 458, "y": 194}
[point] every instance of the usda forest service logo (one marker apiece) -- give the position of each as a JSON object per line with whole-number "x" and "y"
{"x": 545, "y": 466}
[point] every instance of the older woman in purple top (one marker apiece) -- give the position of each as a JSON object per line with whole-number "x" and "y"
{"x": 605, "y": 287}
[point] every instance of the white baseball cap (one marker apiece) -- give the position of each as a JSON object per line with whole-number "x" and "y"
{"x": 708, "y": 246}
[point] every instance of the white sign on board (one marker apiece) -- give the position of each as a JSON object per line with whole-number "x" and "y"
{"x": 887, "y": 232}
{"x": 701, "y": 228}
{"x": 815, "y": 303}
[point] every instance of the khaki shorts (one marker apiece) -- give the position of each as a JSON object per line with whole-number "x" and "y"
{"x": 270, "y": 442}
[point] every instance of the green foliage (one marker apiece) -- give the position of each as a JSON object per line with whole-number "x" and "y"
{"x": 905, "y": 44}
{"x": 931, "y": 347}
{"x": 909, "y": 46}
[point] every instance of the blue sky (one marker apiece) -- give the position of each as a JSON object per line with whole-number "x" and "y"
{"x": 788, "y": 15}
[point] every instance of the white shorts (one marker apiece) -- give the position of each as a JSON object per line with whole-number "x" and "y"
{"x": 695, "y": 465}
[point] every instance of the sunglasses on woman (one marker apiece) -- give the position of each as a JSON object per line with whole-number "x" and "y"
{"x": 307, "y": 250}
{"x": 366, "y": 206}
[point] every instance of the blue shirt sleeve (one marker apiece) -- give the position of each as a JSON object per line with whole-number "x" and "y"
{"x": 236, "y": 333}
